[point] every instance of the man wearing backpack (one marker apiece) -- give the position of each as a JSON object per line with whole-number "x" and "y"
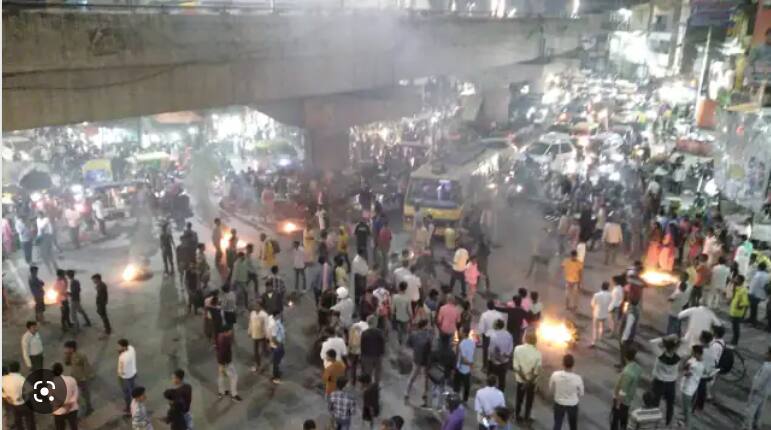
{"x": 724, "y": 357}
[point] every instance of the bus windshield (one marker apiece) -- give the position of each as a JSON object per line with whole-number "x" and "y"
{"x": 439, "y": 193}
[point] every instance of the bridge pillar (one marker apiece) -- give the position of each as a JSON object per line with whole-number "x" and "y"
{"x": 328, "y": 148}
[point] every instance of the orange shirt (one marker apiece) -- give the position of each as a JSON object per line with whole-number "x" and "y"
{"x": 573, "y": 269}
{"x": 330, "y": 375}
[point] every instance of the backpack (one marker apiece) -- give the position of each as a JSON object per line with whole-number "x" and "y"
{"x": 726, "y": 361}
{"x": 274, "y": 244}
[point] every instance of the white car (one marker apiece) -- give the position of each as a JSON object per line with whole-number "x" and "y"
{"x": 553, "y": 149}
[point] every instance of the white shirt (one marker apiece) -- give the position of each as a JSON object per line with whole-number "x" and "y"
{"x": 653, "y": 187}
{"x": 612, "y": 233}
{"x": 97, "y": 208}
{"x": 601, "y": 304}
{"x": 359, "y": 266}
{"x": 567, "y": 387}
{"x": 44, "y": 226}
{"x": 528, "y": 360}
{"x": 487, "y": 320}
{"x": 413, "y": 287}
{"x": 345, "y": 307}
{"x": 336, "y": 343}
{"x": 31, "y": 344}
{"x": 71, "y": 401}
{"x": 630, "y": 322}
{"x": 258, "y": 324}
{"x": 617, "y": 297}
{"x": 400, "y": 274}
{"x": 127, "y": 363}
{"x": 486, "y": 400}
{"x": 720, "y": 274}
{"x": 298, "y": 258}
{"x": 711, "y": 357}
{"x": 459, "y": 260}
{"x": 13, "y": 385}
{"x": 690, "y": 383}
{"x": 700, "y": 318}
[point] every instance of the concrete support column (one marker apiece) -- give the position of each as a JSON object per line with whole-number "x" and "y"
{"x": 329, "y": 148}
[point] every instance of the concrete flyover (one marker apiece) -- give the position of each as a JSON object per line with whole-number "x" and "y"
{"x": 68, "y": 66}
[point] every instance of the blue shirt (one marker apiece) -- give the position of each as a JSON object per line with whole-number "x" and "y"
{"x": 466, "y": 350}
{"x": 758, "y": 285}
{"x": 455, "y": 419}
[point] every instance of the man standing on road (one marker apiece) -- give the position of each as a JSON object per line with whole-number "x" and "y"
{"x": 612, "y": 237}
{"x": 38, "y": 293}
{"x": 257, "y": 330}
{"x": 13, "y": 388}
{"x": 567, "y": 388}
{"x": 167, "y": 249}
{"x": 447, "y": 320}
{"x": 600, "y": 310}
{"x": 216, "y": 241}
{"x": 402, "y": 309}
{"x": 76, "y": 307}
{"x": 32, "y": 347}
{"x": 573, "y": 271}
{"x": 184, "y": 395}
{"x": 227, "y": 369}
{"x": 485, "y": 328}
{"x": 625, "y": 391}
{"x": 758, "y": 292}
{"x": 465, "y": 353}
{"x": 500, "y": 352}
{"x": 372, "y": 350}
{"x": 72, "y": 217}
{"x": 277, "y": 340}
{"x": 718, "y": 282}
{"x": 25, "y": 237}
{"x": 486, "y": 400}
{"x": 420, "y": 341}
{"x": 67, "y": 414}
{"x": 516, "y": 317}
{"x": 527, "y": 366}
{"x": 761, "y": 388}
{"x": 80, "y": 369}
{"x": 342, "y": 405}
{"x": 362, "y": 233}
{"x": 97, "y": 207}
{"x": 459, "y": 262}
{"x": 101, "y": 306}
{"x": 629, "y": 323}
{"x": 694, "y": 370}
{"x": 127, "y": 372}
{"x": 360, "y": 269}
{"x": 298, "y": 264}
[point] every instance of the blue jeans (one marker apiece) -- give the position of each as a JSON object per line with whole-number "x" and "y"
{"x": 277, "y": 356}
{"x": 342, "y": 424}
{"x": 127, "y": 386}
{"x": 673, "y": 325}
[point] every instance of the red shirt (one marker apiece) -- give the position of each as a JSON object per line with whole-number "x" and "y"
{"x": 384, "y": 238}
{"x": 703, "y": 275}
{"x": 448, "y": 318}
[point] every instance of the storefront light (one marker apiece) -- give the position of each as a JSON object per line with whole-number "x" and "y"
{"x": 192, "y": 130}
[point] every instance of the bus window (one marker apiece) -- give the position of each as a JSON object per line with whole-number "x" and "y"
{"x": 434, "y": 192}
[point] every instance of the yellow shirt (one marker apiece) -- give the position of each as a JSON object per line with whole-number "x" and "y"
{"x": 572, "y": 269}
{"x": 450, "y": 237}
{"x": 268, "y": 256}
{"x": 342, "y": 242}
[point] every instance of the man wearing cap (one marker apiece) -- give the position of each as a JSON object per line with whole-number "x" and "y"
{"x": 344, "y": 306}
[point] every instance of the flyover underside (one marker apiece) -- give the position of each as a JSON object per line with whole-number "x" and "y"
{"x": 67, "y": 68}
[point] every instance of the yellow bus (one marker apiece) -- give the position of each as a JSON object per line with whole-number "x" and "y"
{"x": 454, "y": 181}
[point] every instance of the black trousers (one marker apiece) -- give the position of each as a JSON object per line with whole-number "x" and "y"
{"x": 619, "y": 417}
{"x": 23, "y": 417}
{"x": 525, "y": 393}
{"x": 499, "y": 370}
{"x": 168, "y": 261}
{"x": 559, "y": 416}
{"x": 65, "y": 317}
{"x": 462, "y": 380}
{"x": 485, "y": 347}
{"x": 754, "y": 302}
{"x": 61, "y": 422}
{"x": 101, "y": 310}
{"x": 736, "y": 328}
{"x": 667, "y": 391}
{"x": 458, "y": 276}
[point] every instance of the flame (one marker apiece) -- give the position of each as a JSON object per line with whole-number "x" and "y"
{"x": 225, "y": 241}
{"x": 51, "y": 297}
{"x": 555, "y": 333}
{"x": 290, "y": 227}
{"x": 130, "y": 273}
{"x": 658, "y": 278}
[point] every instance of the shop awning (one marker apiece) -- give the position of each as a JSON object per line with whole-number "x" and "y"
{"x": 183, "y": 117}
